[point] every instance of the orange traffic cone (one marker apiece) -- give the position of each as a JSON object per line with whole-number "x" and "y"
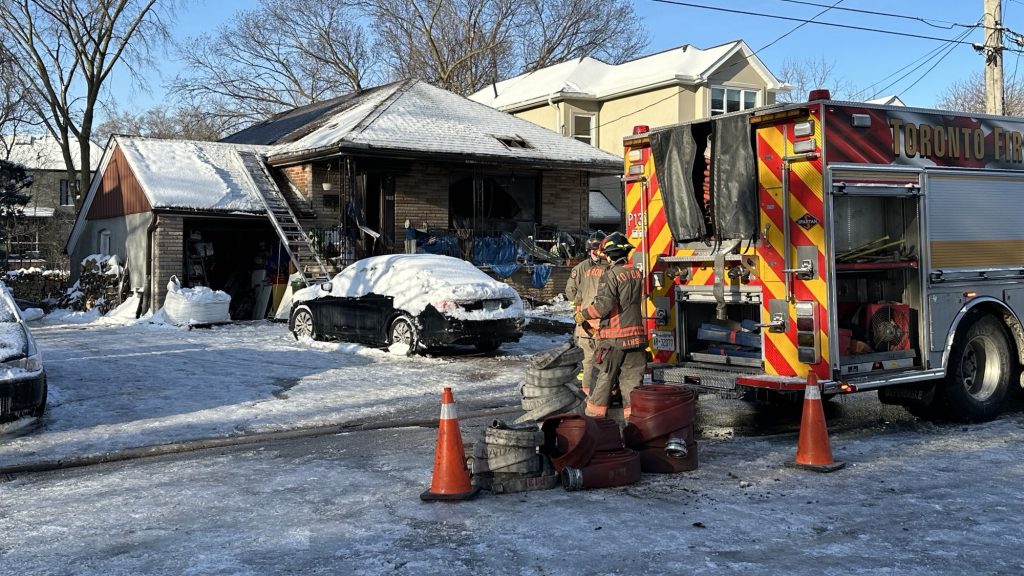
{"x": 813, "y": 451}
{"x": 451, "y": 477}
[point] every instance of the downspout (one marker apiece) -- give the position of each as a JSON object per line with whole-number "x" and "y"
{"x": 558, "y": 115}
{"x": 147, "y": 294}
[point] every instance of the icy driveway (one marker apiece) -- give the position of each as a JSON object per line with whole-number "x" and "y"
{"x": 119, "y": 387}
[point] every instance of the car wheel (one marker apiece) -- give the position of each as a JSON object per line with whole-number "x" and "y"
{"x": 403, "y": 331}
{"x": 41, "y": 407}
{"x": 978, "y": 374}
{"x": 302, "y": 323}
{"x": 487, "y": 345}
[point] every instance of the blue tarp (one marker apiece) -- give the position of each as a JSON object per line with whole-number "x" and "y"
{"x": 541, "y": 273}
{"x": 505, "y": 270}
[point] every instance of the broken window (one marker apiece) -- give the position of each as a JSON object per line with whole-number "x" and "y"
{"x": 493, "y": 202}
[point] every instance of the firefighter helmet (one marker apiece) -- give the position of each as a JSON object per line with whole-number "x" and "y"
{"x": 595, "y": 240}
{"x": 617, "y": 246}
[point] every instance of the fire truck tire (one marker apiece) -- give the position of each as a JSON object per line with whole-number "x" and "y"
{"x": 978, "y": 372}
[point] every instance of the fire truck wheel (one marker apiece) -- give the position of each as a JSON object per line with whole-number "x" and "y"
{"x": 978, "y": 374}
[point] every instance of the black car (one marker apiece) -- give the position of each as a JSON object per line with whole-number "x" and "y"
{"x": 416, "y": 301}
{"x": 22, "y": 378}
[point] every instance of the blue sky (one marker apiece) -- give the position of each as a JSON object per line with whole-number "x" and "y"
{"x": 862, "y": 58}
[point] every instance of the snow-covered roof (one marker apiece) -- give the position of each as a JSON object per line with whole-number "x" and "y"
{"x": 181, "y": 175}
{"x": 37, "y": 212}
{"x": 42, "y": 152}
{"x": 191, "y": 175}
{"x": 413, "y": 117}
{"x": 601, "y": 210}
{"x": 591, "y": 78}
{"x": 890, "y": 100}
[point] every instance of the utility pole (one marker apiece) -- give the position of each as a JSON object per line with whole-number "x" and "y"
{"x": 993, "y": 52}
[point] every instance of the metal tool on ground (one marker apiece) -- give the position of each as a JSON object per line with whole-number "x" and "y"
{"x": 813, "y": 451}
{"x": 451, "y": 480}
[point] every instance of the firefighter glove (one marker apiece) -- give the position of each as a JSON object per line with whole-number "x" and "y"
{"x": 577, "y": 317}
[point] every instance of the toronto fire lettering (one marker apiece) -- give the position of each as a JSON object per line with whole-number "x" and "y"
{"x": 962, "y": 142}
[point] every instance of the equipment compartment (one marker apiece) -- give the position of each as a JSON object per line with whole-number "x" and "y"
{"x": 877, "y": 281}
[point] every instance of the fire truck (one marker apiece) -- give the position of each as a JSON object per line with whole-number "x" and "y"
{"x": 877, "y": 247}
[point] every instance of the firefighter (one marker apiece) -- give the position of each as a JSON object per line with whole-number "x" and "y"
{"x": 580, "y": 290}
{"x": 621, "y": 339}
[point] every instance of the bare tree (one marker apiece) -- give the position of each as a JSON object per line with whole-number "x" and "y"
{"x": 16, "y": 104}
{"x": 810, "y": 73}
{"x": 160, "y": 122}
{"x": 66, "y": 50}
{"x": 283, "y": 54}
{"x": 556, "y": 31}
{"x": 458, "y": 45}
{"x": 968, "y": 95}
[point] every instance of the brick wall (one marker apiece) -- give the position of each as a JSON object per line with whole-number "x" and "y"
{"x": 301, "y": 176}
{"x": 168, "y": 256}
{"x": 566, "y": 200}
{"x": 421, "y": 196}
{"x": 522, "y": 281}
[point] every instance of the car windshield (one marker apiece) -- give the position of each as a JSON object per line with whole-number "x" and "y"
{"x": 13, "y": 342}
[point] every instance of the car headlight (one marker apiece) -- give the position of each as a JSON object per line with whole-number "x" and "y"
{"x": 32, "y": 363}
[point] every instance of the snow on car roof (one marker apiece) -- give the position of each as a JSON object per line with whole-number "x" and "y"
{"x": 414, "y": 281}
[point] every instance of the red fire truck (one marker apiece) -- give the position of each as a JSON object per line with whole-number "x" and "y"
{"x": 879, "y": 247}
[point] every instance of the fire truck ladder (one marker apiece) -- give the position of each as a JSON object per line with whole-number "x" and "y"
{"x": 293, "y": 237}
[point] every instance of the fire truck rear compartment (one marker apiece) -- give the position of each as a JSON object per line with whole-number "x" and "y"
{"x": 733, "y": 341}
{"x": 877, "y": 282}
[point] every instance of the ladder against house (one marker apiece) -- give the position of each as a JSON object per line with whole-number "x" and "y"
{"x": 308, "y": 263}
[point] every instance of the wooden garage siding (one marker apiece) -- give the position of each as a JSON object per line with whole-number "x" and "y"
{"x": 119, "y": 192}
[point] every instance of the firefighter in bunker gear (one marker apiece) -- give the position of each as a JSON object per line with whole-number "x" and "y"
{"x": 580, "y": 291}
{"x": 621, "y": 338}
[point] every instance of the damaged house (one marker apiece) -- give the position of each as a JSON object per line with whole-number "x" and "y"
{"x": 339, "y": 180}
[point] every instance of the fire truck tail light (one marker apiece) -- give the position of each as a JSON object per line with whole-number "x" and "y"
{"x": 803, "y": 128}
{"x": 808, "y": 345}
{"x": 636, "y": 155}
{"x": 636, "y": 169}
{"x": 641, "y": 129}
{"x": 804, "y": 146}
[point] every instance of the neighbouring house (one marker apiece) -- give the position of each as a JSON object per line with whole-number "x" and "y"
{"x": 599, "y": 103}
{"x": 37, "y": 237}
{"x": 890, "y": 100}
{"x": 347, "y": 175}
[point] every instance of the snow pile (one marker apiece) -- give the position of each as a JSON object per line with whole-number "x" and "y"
{"x": 199, "y": 305}
{"x": 32, "y": 314}
{"x": 418, "y": 280}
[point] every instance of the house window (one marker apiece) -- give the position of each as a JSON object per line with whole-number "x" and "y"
{"x": 583, "y": 128}
{"x": 104, "y": 242}
{"x": 65, "y": 194}
{"x": 732, "y": 100}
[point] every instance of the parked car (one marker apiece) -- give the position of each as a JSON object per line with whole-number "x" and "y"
{"x": 22, "y": 377}
{"x": 419, "y": 300}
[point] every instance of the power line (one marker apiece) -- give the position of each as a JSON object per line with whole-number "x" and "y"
{"x": 792, "y": 19}
{"x": 926, "y": 72}
{"x": 927, "y": 21}
{"x": 752, "y": 54}
{"x": 923, "y": 58}
{"x": 948, "y": 46}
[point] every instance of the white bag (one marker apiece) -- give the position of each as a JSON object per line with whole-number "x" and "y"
{"x": 199, "y": 305}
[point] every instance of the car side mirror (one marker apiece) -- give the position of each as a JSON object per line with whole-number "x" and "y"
{"x": 326, "y": 286}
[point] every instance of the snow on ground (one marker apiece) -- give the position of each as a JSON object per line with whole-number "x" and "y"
{"x": 918, "y": 500}
{"x": 115, "y": 387}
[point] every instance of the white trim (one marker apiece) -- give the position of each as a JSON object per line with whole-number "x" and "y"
{"x": 593, "y": 125}
{"x": 758, "y": 97}
{"x": 97, "y": 178}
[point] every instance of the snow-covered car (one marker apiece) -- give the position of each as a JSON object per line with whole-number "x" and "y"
{"x": 22, "y": 378}
{"x": 418, "y": 300}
